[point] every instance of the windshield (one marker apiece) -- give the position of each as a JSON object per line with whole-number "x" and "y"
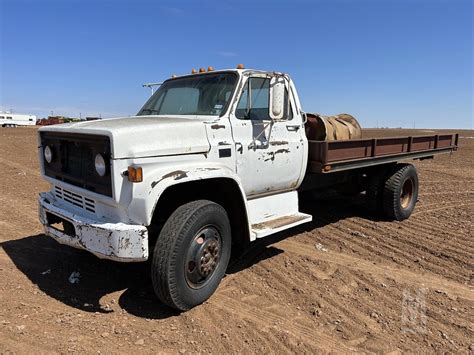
{"x": 206, "y": 94}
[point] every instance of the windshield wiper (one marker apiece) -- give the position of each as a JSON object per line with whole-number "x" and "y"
{"x": 150, "y": 110}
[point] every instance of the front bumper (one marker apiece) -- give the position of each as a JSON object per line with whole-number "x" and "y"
{"x": 115, "y": 241}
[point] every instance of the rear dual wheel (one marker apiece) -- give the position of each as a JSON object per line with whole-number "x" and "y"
{"x": 394, "y": 193}
{"x": 191, "y": 254}
{"x": 400, "y": 192}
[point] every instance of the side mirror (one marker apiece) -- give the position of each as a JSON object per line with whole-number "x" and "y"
{"x": 277, "y": 98}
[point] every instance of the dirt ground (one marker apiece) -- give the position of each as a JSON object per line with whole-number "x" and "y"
{"x": 345, "y": 282}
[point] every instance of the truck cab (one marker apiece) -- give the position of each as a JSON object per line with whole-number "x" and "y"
{"x": 212, "y": 161}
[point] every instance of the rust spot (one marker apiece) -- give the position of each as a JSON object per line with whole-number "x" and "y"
{"x": 217, "y": 126}
{"x": 282, "y": 151}
{"x": 178, "y": 174}
{"x": 223, "y": 143}
{"x": 181, "y": 176}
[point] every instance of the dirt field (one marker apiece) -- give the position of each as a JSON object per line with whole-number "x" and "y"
{"x": 346, "y": 282}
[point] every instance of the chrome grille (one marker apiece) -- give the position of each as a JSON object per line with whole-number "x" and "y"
{"x": 75, "y": 199}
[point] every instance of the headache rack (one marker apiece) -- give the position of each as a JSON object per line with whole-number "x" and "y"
{"x": 331, "y": 156}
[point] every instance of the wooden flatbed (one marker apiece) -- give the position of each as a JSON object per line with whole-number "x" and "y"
{"x": 331, "y": 156}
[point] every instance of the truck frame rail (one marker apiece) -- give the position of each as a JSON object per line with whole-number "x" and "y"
{"x": 331, "y": 156}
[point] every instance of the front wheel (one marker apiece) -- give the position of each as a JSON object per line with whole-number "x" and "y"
{"x": 191, "y": 254}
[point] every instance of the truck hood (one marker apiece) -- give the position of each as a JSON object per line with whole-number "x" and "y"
{"x": 145, "y": 136}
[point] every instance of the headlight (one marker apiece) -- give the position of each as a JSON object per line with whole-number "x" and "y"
{"x": 100, "y": 165}
{"x": 48, "y": 154}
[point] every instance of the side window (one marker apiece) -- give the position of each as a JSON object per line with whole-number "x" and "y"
{"x": 2, "y": 117}
{"x": 9, "y": 118}
{"x": 257, "y": 108}
{"x": 255, "y": 105}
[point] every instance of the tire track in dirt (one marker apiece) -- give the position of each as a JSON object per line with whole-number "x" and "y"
{"x": 418, "y": 253}
{"x": 364, "y": 309}
{"x": 263, "y": 337}
{"x": 355, "y": 320}
{"x": 437, "y": 240}
{"x": 383, "y": 250}
{"x": 448, "y": 193}
{"x": 431, "y": 229}
{"x": 420, "y": 241}
{"x": 401, "y": 275}
{"x": 397, "y": 236}
{"x": 393, "y": 303}
{"x": 264, "y": 318}
{"x": 447, "y": 204}
{"x": 462, "y": 204}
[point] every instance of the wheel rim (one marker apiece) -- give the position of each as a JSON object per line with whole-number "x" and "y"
{"x": 406, "y": 193}
{"x": 203, "y": 256}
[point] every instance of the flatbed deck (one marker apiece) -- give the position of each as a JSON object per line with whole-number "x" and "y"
{"x": 331, "y": 156}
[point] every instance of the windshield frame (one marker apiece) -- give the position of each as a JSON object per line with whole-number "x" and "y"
{"x": 224, "y": 110}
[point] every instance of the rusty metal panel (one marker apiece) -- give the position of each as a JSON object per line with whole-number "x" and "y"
{"x": 352, "y": 149}
{"x": 324, "y": 155}
{"x": 422, "y": 143}
{"x": 445, "y": 140}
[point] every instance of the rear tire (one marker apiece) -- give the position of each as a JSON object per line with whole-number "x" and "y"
{"x": 400, "y": 192}
{"x": 191, "y": 254}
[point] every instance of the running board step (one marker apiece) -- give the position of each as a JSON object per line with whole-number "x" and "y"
{"x": 276, "y": 225}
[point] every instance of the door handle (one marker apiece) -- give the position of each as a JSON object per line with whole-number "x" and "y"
{"x": 294, "y": 127}
{"x": 239, "y": 147}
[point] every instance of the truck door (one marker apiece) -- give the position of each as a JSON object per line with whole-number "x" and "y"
{"x": 269, "y": 154}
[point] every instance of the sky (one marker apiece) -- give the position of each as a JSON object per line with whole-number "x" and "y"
{"x": 390, "y": 63}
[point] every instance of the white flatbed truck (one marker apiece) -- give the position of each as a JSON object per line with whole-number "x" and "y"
{"x": 212, "y": 161}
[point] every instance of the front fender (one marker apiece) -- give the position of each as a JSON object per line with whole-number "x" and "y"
{"x": 156, "y": 180}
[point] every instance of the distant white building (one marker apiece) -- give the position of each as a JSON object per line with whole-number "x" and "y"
{"x": 8, "y": 119}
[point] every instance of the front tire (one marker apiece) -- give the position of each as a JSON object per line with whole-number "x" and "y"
{"x": 191, "y": 254}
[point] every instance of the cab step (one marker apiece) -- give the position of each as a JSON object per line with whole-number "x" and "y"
{"x": 276, "y": 225}
{"x": 274, "y": 213}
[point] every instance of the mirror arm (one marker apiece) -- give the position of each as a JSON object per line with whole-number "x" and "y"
{"x": 305, "y": 117}
{"x": 249, "y": 99}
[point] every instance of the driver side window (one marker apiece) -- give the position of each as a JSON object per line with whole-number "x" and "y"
{"x": 256, "y": 105}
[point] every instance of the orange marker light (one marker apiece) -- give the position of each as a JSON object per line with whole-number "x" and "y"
{"x": 240, "y": 66}
{"x": 193, "y": 71}
{"x": 202, "y": 70}
{"x": 135, "y": 174}
{"x": 210, "y": 69}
